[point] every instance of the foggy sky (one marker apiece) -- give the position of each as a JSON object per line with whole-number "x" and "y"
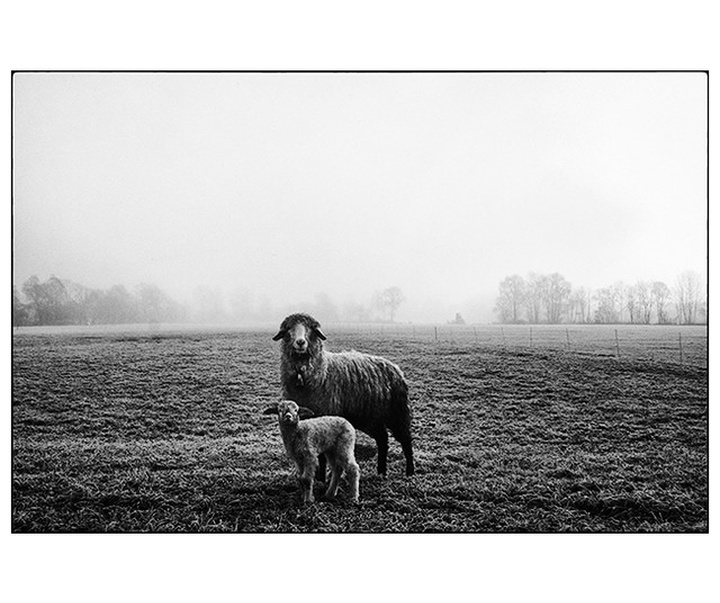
{"x": 288, "y": 185}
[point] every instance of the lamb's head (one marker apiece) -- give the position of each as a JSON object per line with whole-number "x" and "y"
{"x": 301, "y": 334}
{"x": 288, "y": 412}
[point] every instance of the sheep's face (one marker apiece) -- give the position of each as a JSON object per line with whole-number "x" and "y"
{"x": 300, "y": 332}
{"x": 288, "y": 412}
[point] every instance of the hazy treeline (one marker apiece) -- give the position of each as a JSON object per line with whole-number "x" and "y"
{"x": 534, "y": 299}
{"x": 213, "y": 305}
{"x": 551, "y": 299}
{"x": 64, "y": 302}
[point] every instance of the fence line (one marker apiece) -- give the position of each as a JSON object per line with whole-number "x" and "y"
{"x": 672, "y": 343}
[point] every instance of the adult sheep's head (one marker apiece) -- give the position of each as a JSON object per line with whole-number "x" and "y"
{"x": 301, "y": 334}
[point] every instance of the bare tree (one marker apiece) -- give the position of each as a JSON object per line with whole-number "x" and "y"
{"x": 620, "y": 293}
{"x": 687, "y": 296}
{"x": 631, "y": 301}
{"x": 579, "y": 305}
{"x": 511, "y": 299}
{"x": 20, "y": 310}
{"x": 80, "y": 302}
{"x": 390, "y": 300}
{"x": 535, "y": 293}
{"x": 118, "y": 306}
{"x": 660, "y": 294}
{"x": 48, "y": 300}
{"x": 556, "y": 295}
{"x": 609, "y": 304}
{"x": 644, "y": 301}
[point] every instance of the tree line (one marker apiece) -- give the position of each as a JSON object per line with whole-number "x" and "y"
{"x": 63, "y": 302}
{"x": 551, "y": 299}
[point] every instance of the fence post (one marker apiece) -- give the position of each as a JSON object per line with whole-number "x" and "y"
{"x": 567, "y": 335}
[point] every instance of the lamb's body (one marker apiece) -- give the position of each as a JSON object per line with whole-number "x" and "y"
{"x": 306, "y": 440}
{"x": 369, "y": 391}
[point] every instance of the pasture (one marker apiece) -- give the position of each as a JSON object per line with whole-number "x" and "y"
{"x": 136, "y": 430}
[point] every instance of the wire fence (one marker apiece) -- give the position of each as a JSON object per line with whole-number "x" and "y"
{"x": 682, "y": 345}
{"x": 685, "y": 345}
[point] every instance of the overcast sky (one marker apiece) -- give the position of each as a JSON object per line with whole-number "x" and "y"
{"x": 288, "y": 185}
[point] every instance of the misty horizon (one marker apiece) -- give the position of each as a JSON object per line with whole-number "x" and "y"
{"x": 290, "y": 186}
{"x": 208, "y": 305}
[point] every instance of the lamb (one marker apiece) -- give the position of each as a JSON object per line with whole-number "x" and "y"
{"x": 369, "y": 391}
{"x": 333, "y": 437}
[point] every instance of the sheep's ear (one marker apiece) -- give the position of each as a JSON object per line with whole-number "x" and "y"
{"x": 271, "y": 410}
{"x": 319, "y": 333}
{"x": 305, "y": 413}
{"x": 280, "y": 335}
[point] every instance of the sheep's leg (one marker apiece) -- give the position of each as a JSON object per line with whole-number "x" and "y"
{"x": 408, "y": 452}
{"x": 400, "y": 428}
{"x": 403, "y": 436}
{"x": 381, "y": 437}
{"x": 321, "y": 469}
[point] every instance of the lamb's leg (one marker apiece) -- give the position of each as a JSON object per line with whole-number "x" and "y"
{"x": 352, "y": 471}
{"x": 332, "y": 489}
{"x": 381, "y": 437}
{"x": 306, "y": 487}
{"x": 306, "y": 484}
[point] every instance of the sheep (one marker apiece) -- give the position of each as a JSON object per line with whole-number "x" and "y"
{"x": 369, "y": 391}
{"x": 333, "y": 437}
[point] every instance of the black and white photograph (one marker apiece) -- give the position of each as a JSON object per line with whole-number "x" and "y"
{"x": 360, "y": 302}
{"x": 397, "y": 302}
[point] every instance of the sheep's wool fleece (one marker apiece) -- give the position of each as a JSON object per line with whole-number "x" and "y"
{"x": 358, "y": 386}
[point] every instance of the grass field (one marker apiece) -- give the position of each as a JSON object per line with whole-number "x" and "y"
{"x": 131, "y": 430}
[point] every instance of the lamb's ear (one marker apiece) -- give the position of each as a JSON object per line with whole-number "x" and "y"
{"x": 319, "y": 333}
{"x": 280, "y": 335}
{"x": 271, "y": 410}
{"x": 305, "y": 413}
